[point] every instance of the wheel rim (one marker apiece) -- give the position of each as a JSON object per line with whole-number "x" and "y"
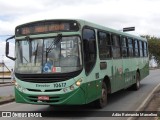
{"x": 138, "y": 81}
{"x": 103, "y": 99}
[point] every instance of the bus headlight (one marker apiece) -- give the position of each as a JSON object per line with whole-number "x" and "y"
{"x": 20, "y": 88}
{"x": 16, "y": 84}
{"x": 73, "y": 86}
{"x": 78, "y": 82}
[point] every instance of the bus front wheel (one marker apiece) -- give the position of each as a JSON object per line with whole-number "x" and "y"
{"x": 102, "y": 101}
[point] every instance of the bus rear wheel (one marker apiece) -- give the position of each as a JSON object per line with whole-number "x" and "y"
{"x": 136, "y": 86}
{"x": 102, "y": 101}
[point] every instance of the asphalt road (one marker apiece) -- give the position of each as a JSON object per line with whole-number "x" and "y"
{"x": 6, "y": 91}
{"x": 124, "y": 100}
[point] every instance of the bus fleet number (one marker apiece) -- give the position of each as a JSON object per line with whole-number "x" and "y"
{"x": 59, "y": 85}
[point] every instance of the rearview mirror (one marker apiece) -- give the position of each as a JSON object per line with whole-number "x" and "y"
{"x": 7, "y": 48}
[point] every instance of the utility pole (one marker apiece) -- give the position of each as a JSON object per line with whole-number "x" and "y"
{"x": 3, "y": 67}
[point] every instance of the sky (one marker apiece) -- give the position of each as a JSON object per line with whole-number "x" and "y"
{"x": 144, "y": 15}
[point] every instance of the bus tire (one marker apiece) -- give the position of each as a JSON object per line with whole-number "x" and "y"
{"x": 102, "y": 101}
{"x": 136, "y": 86}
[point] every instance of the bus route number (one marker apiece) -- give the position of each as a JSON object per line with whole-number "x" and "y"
{"x": 59, "y": 85}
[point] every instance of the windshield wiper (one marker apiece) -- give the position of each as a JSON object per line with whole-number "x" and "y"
{"x": 28, "y": 39}
{"x": 54, "y": 42}
{"x": 25, "y": 59}
{"x": 36, "y": 53}
{"x": 30, "y": 47}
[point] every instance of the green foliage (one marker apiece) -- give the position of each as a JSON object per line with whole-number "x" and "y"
{"x": 154, "y": 47}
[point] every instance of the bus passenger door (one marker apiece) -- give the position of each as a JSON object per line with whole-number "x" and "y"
{"x": 90, "y": 58}
{"x": 117, "y": 72}
{"x": 129, "y": 64}
{"x": 117, "y": 75}
{"x": 126, "y": 51}
{"x": 126, "y": 72}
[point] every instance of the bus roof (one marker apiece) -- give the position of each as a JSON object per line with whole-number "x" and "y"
{"x": 90, "y": 24}
{"x": 103, "y": 28}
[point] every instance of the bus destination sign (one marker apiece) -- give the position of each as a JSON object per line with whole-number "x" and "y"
{"x": 44, "y": 27}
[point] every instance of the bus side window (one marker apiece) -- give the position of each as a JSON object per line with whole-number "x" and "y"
{"x": 124, "y": 47}
{"x": 89, "y": 44}
{"x": 145, "y": 50}
{"x": 130, "y": 47}
{"x": 136, "y": 48}
{"x": 116, "y": 51}
{"x": 140, "y": 49}
{"x": 104, "y": 45}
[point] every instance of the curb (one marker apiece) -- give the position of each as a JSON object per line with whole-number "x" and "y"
{"x": 145, "y": 102}
{"x": 7, "y": 101}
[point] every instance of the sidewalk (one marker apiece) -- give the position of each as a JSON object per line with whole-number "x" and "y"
{"x": 6, "y": 99}
{"x": 152, "y": 103}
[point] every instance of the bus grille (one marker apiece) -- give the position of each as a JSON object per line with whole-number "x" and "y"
{"x": 46, "y": 78}
{"x": 37, "y": 90}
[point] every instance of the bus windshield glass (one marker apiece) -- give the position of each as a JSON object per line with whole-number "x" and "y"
{"x": 49, "y": 55}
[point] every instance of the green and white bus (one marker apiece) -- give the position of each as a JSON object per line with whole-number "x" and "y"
{"x": 75, "y": 62}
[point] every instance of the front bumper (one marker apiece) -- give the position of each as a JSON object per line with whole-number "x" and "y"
{"x": 75, "y": 97}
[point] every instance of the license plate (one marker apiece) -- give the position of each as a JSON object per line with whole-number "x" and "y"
{"x": 43, "y": 97}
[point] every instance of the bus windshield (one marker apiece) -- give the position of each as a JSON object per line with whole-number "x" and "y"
{"x": 49, "y": 55}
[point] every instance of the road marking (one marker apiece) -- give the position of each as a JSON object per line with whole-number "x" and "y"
{"x": 146, "y": 100}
